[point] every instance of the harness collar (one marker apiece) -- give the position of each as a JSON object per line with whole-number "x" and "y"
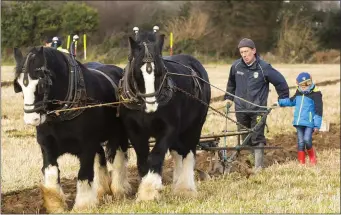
{"x": 76, "y": 94}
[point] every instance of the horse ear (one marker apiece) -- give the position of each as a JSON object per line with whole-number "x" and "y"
{"x": 17, "y": 56}
{"x": 161, "y": 41}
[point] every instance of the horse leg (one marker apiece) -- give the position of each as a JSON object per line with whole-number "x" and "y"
{"x": 185, "y": 183}
{"x": 178, "y": 163}
{"x": 86, "y": 196}
{"x": 139, "y": 141}
{"x": 101, "y": 178}
{"x": 152, "y": 183}
{"x": 53, "y": 196}
{"x": 142, "y": 152}
{"x": 117, "y": 157}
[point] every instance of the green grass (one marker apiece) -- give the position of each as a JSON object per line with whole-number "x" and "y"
{"x": 286, "y": 188}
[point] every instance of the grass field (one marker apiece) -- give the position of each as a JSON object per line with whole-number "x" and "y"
{"x": 280, "y": 188}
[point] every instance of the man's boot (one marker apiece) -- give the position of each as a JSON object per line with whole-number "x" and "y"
{"x": 259, "y": 157}
{"x": 301, "y": 157}
{"x": 312, "y": 156}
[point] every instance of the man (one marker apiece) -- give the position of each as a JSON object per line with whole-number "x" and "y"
{"x": 57, "y": 43}
{"x": 249, "y": 79}
{"x": 48, "y": 42}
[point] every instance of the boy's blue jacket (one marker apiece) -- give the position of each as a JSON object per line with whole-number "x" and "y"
{"x": 308, "y": 108}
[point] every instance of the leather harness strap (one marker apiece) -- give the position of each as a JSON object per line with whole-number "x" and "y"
{"x": 108, "y": 78}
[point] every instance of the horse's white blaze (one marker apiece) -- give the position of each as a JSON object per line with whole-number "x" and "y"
{"x": 86, "y": 195}
{"x": 119, "y": 174}
{"x": 28, "y": 91}
{"x": 177, "y": 165}
{"x": 149, "y": 187}
{"x": 149, "y": 80}
{"x": 186, "y": 178}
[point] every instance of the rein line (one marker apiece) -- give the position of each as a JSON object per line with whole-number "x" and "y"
{"x": 88, "y": 106}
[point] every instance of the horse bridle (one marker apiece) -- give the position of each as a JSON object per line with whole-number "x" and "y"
{"x": 76, "y": 94}
{"x": 148, "y": 58}
{"x": 43, "y": 86}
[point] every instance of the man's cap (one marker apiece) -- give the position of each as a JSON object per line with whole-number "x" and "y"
{"x": 246, "y": 43}
{"x": 303, "y": 77}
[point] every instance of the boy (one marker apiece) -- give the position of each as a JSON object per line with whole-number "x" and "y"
{"x": 307, "y": 116}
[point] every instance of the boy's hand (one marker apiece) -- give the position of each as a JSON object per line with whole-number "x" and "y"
{"x": 316, "y": 130}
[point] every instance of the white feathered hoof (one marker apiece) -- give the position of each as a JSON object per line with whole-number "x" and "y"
{"x": 185, "y": 185}
{"x": 120, "y": 185}
{"x": 121, "y": 190}
{"x": 54, "y": 200}
{"x": 102, "y": 183}
{"x": 103, "y": 191}
{"x": 185, "y": 192}
{"x": 86, "y": 197}
{"x": 149, "y": 188}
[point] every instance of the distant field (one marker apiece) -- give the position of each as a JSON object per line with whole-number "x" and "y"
{"x": 218, "y": 74}
{"x": 21, "y": 158}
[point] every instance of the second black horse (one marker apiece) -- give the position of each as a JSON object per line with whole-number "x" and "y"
{"x": 161, "y": 111}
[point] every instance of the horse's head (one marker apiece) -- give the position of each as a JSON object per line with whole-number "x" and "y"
{"x": 32, "y": 78}
{"x": 147, "y": 67}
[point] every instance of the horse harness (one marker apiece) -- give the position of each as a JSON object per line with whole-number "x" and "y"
{"x": 194, "y": 74}
{"x": 108, "y": 78}
{"x": 127, "y": 89}
{"x": 76, "y": 95}
{"x": 80, "y": 99}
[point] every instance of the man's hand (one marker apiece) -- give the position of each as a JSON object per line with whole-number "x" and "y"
{"x": 316, "y": 130}
{"x": 229, "y": 103}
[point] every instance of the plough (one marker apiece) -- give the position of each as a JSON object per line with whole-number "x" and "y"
{"x": 211, "y": 143}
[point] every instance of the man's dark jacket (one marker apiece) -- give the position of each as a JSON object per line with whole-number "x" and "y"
{"x": 252, "y": 84}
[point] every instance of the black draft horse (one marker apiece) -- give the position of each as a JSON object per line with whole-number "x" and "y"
{"x": 51, "y": 80}
{"x": 161, "y": 111}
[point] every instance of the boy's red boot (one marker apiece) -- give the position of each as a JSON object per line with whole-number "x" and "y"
{"x": 312, "y": 156}
{"x": 301, "y": 157}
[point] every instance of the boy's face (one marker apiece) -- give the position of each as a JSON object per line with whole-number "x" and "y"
{"x": 305, "y": 85}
